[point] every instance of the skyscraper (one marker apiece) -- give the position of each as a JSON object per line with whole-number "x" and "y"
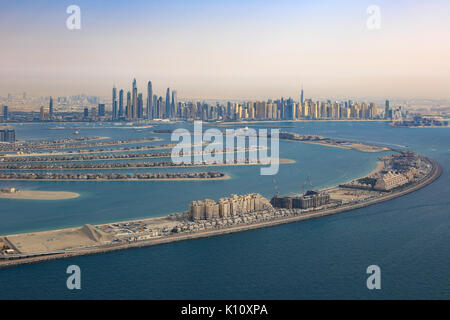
{"x": 42, "y": 114}
{"x": 155, "y": 107}
{"x": 301, "y": 96}
{"x": 101, "y": 109}
{"x": 134, "y": 100}
{"x": 114, "y": 104}
{"x": 120, "y": 104}
{"x": 5, "y": 113}
{"x": 150, "y": 113}
{"x": 140, "y": 107}
{"x": 160, "y": 104}
{"x": 386, "y": 110}
{"x": 50, "y": 108}
{"x": 175, "y": 112}
{"x": 168, "y": 114}
{"x": 128, "y": 108}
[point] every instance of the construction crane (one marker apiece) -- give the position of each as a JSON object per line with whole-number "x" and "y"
{"x": 307, "y": 182}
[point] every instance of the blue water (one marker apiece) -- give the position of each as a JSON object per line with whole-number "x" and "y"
{"x": 324, "y": 258}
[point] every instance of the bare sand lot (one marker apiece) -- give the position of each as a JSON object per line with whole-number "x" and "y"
{"x": 345, "y": 145}
{"x": 39, "y": 195}
{"x": 49, "y": 241}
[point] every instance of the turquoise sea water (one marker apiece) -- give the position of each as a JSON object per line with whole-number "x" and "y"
{"x": 324, "y": 258}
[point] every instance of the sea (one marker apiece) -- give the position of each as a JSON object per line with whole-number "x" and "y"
{"x": 408, "y": 238}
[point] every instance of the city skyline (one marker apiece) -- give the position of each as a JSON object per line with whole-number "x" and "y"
{"x": 172, "y": 109}
{"x": 150, "y": 107}
{"x": 238, "y": 50}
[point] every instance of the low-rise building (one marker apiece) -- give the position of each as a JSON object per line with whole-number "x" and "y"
{"x": 310, "y": 199}
{"x": 8, "y": 135}
{"x": 390, "y": 180}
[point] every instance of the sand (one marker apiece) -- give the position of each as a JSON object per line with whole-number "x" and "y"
{"x": 347, "y": 145}
{"x": 70, "y": 238}
{"x": 39, "y": 195}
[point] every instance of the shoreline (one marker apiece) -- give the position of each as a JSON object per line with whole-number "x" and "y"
{"x": 224, "y": 177}
{"x": 434, "y": 174}
{"x": 378, "y": 168}
{"x": 292, "y": 121}
{"x": 422, "y": 127}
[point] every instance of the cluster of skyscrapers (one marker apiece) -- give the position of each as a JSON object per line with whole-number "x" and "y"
{"x": 134, "y": 107}
{"x": 131, "y": 106}
{"x": 282, "y": 109}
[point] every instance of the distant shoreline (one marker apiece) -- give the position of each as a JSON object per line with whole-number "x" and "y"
{"x": 302, "y": 120}
{"x": 421, "y": 127}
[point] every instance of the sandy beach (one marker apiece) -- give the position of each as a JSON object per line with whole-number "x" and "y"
{"x": 39, "y": 195}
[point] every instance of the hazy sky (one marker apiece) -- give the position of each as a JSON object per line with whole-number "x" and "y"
{"x": 227, "y": 49}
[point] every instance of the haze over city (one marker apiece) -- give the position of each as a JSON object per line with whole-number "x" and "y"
{"x": 228, "y": 49}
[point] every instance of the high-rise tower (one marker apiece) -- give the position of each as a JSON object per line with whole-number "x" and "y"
{"x": 120, "y": 104}
{"x": 134, "y": 100}
{"x": 174, "y": 104}
{"x": 386, "y": 110}
{"x": 50, "y": 108}
{"x": 301, "y": 96}
{"x": 128, "y": 108}
{"x": 168, "y": 114}
{"x": 114, "y": 103}
{"x": 150, "y": 113}
{"x": 5, "y": 113}
{"x": 140, "y": 107}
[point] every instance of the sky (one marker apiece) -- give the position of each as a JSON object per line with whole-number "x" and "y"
{"x": 214, "y": 49}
